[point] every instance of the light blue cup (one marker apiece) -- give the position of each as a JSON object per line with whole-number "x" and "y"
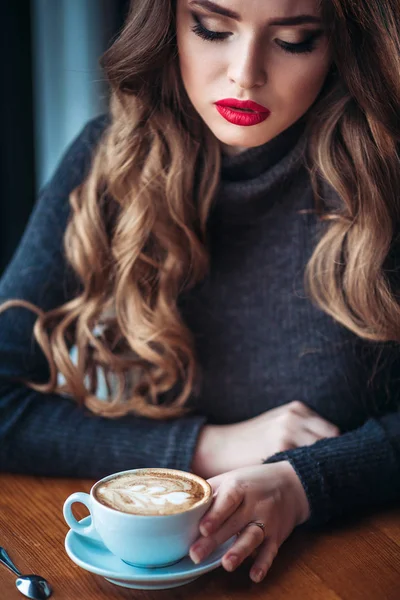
{"x": 147, "y": 541}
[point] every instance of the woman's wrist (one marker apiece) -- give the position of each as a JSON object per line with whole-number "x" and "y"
{"x": 205, "y": 458}
{"x": 297, "y": 491}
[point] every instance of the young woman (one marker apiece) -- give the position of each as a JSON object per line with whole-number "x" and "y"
{"x": 210, "y": 279}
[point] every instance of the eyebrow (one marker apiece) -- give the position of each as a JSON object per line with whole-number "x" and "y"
{"x": 226, "y": 12}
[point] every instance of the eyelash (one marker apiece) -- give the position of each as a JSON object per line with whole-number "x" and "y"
{"x": 305, "y": 47}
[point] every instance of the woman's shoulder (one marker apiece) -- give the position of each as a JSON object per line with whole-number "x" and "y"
{"x": 77, "y": 157}
{"x": 94, "y": 128}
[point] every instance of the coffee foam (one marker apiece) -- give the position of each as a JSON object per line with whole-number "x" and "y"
{"x": 150, "y": 492}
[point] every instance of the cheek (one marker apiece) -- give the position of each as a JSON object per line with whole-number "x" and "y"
{"x": 299, "y": 83}
{"x": 196, "y": 66}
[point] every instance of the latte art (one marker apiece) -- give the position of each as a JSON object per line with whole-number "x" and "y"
{"x": 148, "y": 492}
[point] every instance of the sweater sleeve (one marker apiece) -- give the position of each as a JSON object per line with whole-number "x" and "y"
{"x": 357, "y": 470}
{"x": 49, "y": 434}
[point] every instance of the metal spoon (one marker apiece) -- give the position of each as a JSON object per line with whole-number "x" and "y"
{"x": 32, "y": 586}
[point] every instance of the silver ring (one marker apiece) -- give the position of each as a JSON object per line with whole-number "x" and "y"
{"x": 259, "y": 524}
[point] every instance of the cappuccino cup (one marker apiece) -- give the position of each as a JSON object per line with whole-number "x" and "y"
{"x": 147, "y": 517}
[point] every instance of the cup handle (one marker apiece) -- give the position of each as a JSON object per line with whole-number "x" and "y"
{"x": 85, "y": 530}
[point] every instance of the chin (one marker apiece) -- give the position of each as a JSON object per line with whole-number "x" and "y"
{"x": 232, "y": 150}
{"x": 240, "y": 145}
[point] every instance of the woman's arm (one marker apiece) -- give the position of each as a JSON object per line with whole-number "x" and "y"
{"x": 359, "y": 469}
{"x": 48, "y": 434}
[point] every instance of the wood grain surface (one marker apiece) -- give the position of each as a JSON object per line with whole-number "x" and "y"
{"x": 356, "y": 560}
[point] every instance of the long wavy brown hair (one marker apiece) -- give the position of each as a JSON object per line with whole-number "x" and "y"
{"x": 137, "y": 234}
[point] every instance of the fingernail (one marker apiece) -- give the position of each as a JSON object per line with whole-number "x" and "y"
{"x": 256, "y": 575}
{"x": 205, "y": 528}
{"x": 197, "y": 556}
{"x": 231, "y": 563}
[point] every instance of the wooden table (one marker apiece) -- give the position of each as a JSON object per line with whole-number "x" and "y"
{"x": 358, "y": 560}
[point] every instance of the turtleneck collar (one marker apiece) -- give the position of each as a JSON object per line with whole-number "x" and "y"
{"x": 252, "y": 163}
{"x": 251, "y": 182}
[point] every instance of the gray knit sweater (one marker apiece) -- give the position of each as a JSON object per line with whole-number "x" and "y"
{"x": 260, "y": 341}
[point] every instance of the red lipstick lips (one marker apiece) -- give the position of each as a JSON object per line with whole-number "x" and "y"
{"x": 251, "y": 113}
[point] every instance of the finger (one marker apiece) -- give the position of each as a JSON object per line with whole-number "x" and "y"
{"x": 322, "y": 428}
{"x": 249, "y": 539}
{"x": 307, "y": 437}
{"x": 303, "y": 437}
{"x": 226, "y": 502}
{"x": 265, "y": 557}
{"x": 318, "y": 423}
{"x": 216, "y": 481}
{"x": 204, "y": 546}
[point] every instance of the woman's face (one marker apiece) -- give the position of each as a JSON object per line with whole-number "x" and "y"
{"x": 282, "y": 67}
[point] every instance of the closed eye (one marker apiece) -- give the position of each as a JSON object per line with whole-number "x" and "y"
{"x": 306, "y": 46}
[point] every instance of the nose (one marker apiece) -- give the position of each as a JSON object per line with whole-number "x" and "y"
{"x": 247, "y": 66}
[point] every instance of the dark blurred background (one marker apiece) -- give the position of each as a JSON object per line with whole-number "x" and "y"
{"x": 51, "y": 85}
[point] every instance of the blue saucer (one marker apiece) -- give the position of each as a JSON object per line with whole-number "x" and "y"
{"x": 93, "y": 556}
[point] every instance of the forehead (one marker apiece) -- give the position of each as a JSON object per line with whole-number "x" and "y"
{"x": 262, "y": 9}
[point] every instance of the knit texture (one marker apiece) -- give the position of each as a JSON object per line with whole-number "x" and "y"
{"x": 260, "y": 342}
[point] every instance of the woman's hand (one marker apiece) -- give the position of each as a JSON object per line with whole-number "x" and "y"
{"x": 222, "y": 448}
{"x": 271, "y": 494}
